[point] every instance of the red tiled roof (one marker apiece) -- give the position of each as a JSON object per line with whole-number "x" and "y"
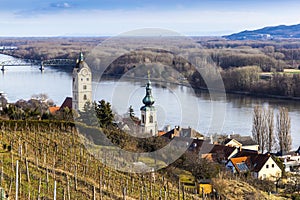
{"x": 53, "y": 109}
{"x": 160, "y": 133}
{"x": 239, "y": 160}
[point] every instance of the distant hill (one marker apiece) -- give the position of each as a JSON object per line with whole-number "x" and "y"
{"x": 268, "y": 33}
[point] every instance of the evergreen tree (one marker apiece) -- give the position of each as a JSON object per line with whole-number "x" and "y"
{"x": 104, "y": 114}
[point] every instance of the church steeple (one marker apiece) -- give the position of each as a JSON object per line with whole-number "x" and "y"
{"x": 82, "y": 84}
{"x": 148, "y": 111}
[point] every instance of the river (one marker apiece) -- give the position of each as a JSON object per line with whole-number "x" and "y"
{"x": 176, "y": 105}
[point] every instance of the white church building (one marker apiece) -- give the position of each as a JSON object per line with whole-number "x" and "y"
{"x": 81, "y": 85}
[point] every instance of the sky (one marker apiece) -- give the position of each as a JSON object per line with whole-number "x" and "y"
{"x": 112, "y": 17}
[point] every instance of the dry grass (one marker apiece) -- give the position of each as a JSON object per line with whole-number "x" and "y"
{"x": 233, "y": 189}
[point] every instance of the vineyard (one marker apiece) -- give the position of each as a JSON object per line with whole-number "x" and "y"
{"x": 44, "y": 160}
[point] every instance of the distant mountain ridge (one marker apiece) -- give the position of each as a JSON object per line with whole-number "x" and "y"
{"x": 268, "y": 33}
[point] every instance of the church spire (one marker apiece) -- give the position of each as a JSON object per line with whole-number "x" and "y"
{"x": 80, "y": 58}
{"x": 148, "y": 100}
{"x": 148, "y": 111}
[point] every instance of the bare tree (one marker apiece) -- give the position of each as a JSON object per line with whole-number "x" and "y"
{"x": 263, "y": 128}
{"x": 258, "y": 127}
{"x": 269, "y": 119}
{"x": 284, "y": 130}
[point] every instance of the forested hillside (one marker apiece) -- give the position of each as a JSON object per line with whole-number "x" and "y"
{"x": 264, "y": 68}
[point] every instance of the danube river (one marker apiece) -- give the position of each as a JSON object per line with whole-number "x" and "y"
{"x": 176, "y": 105}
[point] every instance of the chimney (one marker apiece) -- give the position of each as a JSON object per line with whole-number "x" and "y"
{"x": 211, "y": 139}
{"x": 168, "y": 128}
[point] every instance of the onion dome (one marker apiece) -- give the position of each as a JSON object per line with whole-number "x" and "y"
{"x": 148, "y": 100}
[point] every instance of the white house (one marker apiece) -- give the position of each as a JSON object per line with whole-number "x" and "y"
{"x": 244, "y": 142}
{"x": 265, "y": 167}
{"x": 291, "y": 161}
{"x": 261, "y": 166}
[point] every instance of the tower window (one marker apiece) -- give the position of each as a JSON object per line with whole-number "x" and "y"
{"x": 143, "y": 119}
{"x": 87, "y": 79}
{"x": 81, "y": 79}
{"x": 84, "y": 97}
{"x": 151, "y": 119}
{"x": 84, "y": 87}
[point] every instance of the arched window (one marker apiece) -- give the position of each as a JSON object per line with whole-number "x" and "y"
{"x": 143, "y": 119}
{"x": 151, "y": 119}
{"x": 151, "y": 131}
{"x": 84, "y": 87}
{"x": 84, "y": 97}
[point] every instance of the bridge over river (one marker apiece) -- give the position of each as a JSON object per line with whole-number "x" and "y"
{"x": 42, "y": 64}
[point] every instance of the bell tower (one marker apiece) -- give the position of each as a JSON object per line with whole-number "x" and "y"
{"x": 148, "y": 112}
{"x": 82, "y": 84}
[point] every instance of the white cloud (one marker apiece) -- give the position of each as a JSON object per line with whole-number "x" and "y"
{"x": 61, "y": 5}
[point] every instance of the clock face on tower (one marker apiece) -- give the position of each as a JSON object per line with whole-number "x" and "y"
{"x": 84, "y": 72}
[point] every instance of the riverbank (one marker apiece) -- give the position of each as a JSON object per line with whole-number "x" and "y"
{"x": 200, "y": 89}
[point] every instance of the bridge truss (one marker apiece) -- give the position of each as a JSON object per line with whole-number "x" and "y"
{"x": 42, "y": 64}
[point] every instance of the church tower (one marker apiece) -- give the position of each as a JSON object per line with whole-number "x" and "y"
{"x": 82, "y": 84}
{"x": 148, "y": 112}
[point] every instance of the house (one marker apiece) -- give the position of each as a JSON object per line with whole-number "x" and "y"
{"x": 221, "y": 153}
{"x": 66, "y": 104}
{"x": 244, "y": 142}
{"x": 183, "y": 132}
{"x": 291, "y": 161}
{"x": 261, "y": 166}
{"x": 212, "y": 152}
{"x": 264, "y": 167}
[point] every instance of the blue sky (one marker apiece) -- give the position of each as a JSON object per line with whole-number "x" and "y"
{"x": 112, "y": 17}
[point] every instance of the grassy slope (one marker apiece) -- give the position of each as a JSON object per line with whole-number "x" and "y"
{"x": 232, "y": 189}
